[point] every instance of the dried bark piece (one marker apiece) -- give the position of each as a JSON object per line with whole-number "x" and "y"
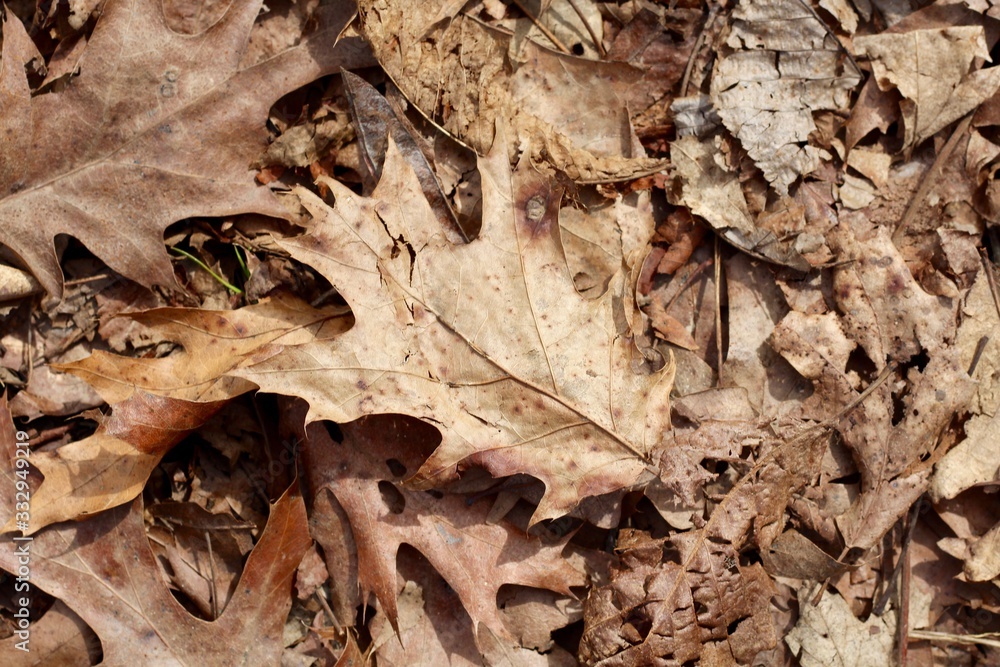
{"x": 782, "y": 65}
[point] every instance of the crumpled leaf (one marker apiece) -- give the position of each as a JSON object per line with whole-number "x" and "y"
{"x": 655, "y": 611}
{"x": 933, "y": 69}
{"x": 459, "y": 73}
{"x": 104, "y": 159}
{"x": 474, "y": 557}
{"x": 885, "y": 312}
{"x": 111, "y": 580}
{"x": 488, "y": 341}
{"x": 783, "y": 64}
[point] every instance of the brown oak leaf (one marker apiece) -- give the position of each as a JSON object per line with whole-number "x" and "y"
{"x": 153, "y": 113}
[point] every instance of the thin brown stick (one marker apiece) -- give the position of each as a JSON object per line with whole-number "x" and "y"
{"x": 718, "y": 307}
{"x": 211, "y": 578}
{"x": 88, "y": 279}
{"x": 586, "y": 24}
{"x": 686, "y": 79}
{"x": 893, "y": 580}
{"x": 688, "y": 281}
{"x": 321, "y": 598}
{"x": 545, "y": 31}
{"x": 990, "y": 280}
{"x": 931, "y": 177}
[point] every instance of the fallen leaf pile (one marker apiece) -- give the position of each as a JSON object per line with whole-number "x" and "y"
{"x": 374, "y": 332}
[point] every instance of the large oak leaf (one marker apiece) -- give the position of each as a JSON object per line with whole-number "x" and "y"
{"x": 488, "y": 341}
{"x": 104, "y": 570}
{"x": 476, "y": 557}
{"x": 157, "y": 127}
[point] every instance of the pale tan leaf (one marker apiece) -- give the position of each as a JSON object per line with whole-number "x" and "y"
{"x": 489, "y": 341}
{"x": 935, "y": 71}
{"x": 983, "y": 563}
{"x": 829, "y": 635}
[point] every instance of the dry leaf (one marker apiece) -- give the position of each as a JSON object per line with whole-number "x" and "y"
{"x": 158, "y": 402}
{"x": 474, "y": 557}
{"x": 655, "y": 611}
{"x": 782, "y": 65}
{"x": 106, "y": 158}
{"x": 936, "y": 71}
{"x": 59, "y": 637}
{"x": 458, "y": 72}
{"x": 707, "y": 186}
{"x": 488, "y": 341}
{"x": 828, "y": 634}
{"x": 110, "y": 467}
{"x": 111, "y": 580}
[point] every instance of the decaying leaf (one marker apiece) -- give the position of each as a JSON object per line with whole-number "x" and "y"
{"x": 655, "y": 611}
{"x": 707, "y": 186}
{"x": 460, "y": 74}
{"x": 152, "y": 114}
{"x": 782, "y": 65}
{"x": 488, "y": 341}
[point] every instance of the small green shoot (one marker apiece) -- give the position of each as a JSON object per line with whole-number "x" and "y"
{"x": 241, "y": 259}
{"x": 222, "y": 281}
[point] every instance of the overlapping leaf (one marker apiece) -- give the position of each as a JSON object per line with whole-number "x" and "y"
{"x": 157, "y": 127}
{"x": 488, "y": 341}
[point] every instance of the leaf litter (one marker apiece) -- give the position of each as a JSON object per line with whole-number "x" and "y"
{"x": 714, "y": 381}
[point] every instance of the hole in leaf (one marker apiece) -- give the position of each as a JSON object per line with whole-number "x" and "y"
{"x": 920, "y": 361}
{"x": 396, "y": 467}
{"x": 392, "y": 497}
{"x": 641, "y": 624}
{"x": 569, "y": 636}
{"x": 859, "y": 362}
{"x": 731, "y": 628}
{"x": 335, "y": 433}
{"x": 577, "y": 49}
{"x": 898, "y": 409}
{"x": 853, "y": 478}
